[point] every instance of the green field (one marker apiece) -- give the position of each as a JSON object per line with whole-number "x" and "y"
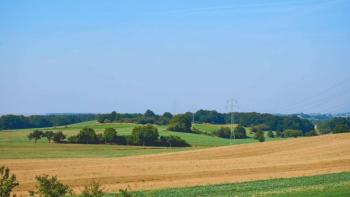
{"x": 15, "y": 144}
{"x": 320, "y": 186}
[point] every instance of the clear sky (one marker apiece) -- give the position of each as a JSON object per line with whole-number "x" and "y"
{"x": 97, "y": 56}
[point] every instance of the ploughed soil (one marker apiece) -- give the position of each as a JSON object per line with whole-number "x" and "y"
{"x": 287, "y": 158}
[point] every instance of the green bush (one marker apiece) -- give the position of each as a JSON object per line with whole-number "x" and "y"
{"x": 180, "y": 123}
{"x": 240, "y": 132}
{"x": 87, "y": 136}
{"x": 58, "y": 137}
{"x": 311, "y": 133}
{"x": 292, "y": 133}
{"x": 50, "y": 187}
{"x": 173, "y": 141}
{"x": 110, "y": 135}
{"x": 223, "y": 132}
{"x": 8, "y": 181}
{"x": 92, "y": 190}
{"x": 270, "y": 134}
{"x": 145, "y": 135}
{"x": 259, "y": 135}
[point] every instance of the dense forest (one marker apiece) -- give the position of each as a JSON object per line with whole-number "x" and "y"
{"x": 39, "y": 121}
{"x": 335, "y": 125}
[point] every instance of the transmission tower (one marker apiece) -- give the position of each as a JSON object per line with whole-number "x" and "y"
{"x": 232, "y": 104}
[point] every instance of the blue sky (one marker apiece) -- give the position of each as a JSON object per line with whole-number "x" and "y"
{"x": 97, "y": 56}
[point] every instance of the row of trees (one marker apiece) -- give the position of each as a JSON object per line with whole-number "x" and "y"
{"x": 145, "y": 135}
{"x": 56, "y": 137}
{"x": 51, "y": 187}
{"x": 40, "y": 121}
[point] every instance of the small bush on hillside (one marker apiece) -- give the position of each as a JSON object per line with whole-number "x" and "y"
{"x": 50, "y": 187}
{"x": 72, "y": 139}
{"x": 279, "y": 134}
{"x": 259, "y": 135}
{"x": 8, "y": 182}
{"x": 239, "y": 132}
{"x": 223, "y": 132}
{"x": 180, "y": 123}
{"x": 270, "y": 134}
{"x": 145, "y": 135}
{"x": 173, "y": 141}
{"x": 311, "y": 133}
{"x": 92, "y": 190}
{"x": 292, "y": 133}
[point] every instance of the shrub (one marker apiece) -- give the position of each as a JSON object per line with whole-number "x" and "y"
{"x": 292, "y": 133}
{"x": 240, "y": 132}
{"x": 110, "y": 135}
{"x": 311, "y": 133}
{"x": 73, "y": 139}
{"x": 173, "y": 141}
{"x": 50, "y": 187}
{"x": 8, "y": 181}
{"x": 259, "y": 135}
{"x": 180, "y": 123}
{"x": 145, "y": 135}
{"x": 36, "y": 135}
{"x": 58, "y": 137}
{"x": 279, "y": 134}
{"x": 92, "y": 190}
{"x": 270, "y": 134}
{"x": 223, "y": 132}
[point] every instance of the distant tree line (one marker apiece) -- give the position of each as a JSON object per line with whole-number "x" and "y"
{"x": 40, "y": 121}
{"x": 335, "y": 125}
{"x": 273, "y": 122}
{"x": 149, "y": 117}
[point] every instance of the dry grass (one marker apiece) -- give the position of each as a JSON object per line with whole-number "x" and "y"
{"x": 287, "y": 158}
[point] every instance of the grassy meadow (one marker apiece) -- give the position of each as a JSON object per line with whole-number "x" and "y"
{"x": 15, "y": 144}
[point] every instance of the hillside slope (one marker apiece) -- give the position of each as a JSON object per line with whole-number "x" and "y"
{"x": 287, "y": 158}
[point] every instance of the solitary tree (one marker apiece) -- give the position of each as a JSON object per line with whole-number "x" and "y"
{"x": 259, "y": 135}
{"x": 7, "y": 182}
{"x": 49, "y": 135}
{"x": 145, "y": 135}
{"x": 110, "y": 134}
{"x": 87, "y": 136}
{"x": 36, "y": 135}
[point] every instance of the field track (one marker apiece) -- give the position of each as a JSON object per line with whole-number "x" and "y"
{"x": 286, "y": 158}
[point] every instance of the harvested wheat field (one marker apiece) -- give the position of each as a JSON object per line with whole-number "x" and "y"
{"x": 287, "y": 158}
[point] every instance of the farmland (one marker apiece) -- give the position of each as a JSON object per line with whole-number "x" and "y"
{"x": 201, "y": 166}
{"x": 321, "y": 185}
{"x": 15, "y": 144}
